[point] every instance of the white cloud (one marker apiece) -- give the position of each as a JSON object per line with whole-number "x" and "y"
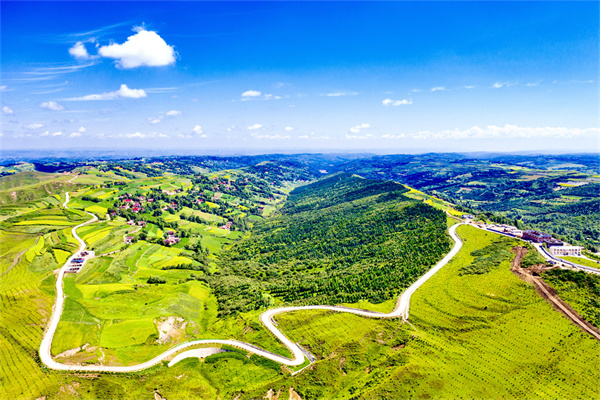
{"x": 123, "y": 93}
{"x": 79, "y": 51}
{"x": 136, "y": 135}
{"x": 7, "y": 110}
{"x": 3, "y": 88}
{"x": 75, "y": 134}
{"x": 57, "y": 133}
{"x": 251, "y": 93}
{"x": 416, "y": 90}
{"x": 388, "y": 136}
{"x": 359, "y": 137}
{"x": 507, "y": 131}
{"x": 288, "y": 128}
{"x": 338, "y": 94}
{"x": 145, "y": 48}
{"x": 52, "y": 105}
{"x": 470, "y": 86}
{"x": 270, "y": 137}
{"x": 357, "y": 128}
{"x": 155, "y": 121}
{"x": 254, "y": 127}
{"x": 312, "y": 136}
{"x": 81, "y": 130}
{"x": 197, "y": 130}
{"x": 437, "y": 89}
{"x": 45, "y": 134}
{"x": 173, "y": 113}
{"x": 532, "y": 84}
{"x": 498, "y": 85}
{"x": 390, "y": 102}
{"x": 34, "y": 126}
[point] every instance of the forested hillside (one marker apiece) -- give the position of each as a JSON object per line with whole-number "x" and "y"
{"x": 341, "y": 239}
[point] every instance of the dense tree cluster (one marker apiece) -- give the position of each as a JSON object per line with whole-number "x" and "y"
{"x": 338, "y": 240}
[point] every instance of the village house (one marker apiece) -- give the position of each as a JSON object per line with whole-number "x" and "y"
{"x": 171, "y": 239}
{"x": 227, "y": 226}
{"x": 142, "y": 223}
{"x": 535, "y": 236}
{"x": 565, "y": 251}
{"x": 128, "y": 239}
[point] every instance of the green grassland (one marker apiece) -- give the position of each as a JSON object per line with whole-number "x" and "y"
{"x": 582, "y": 261}
{"x": 581, "y": 290}
{"x": 29, "y": 186}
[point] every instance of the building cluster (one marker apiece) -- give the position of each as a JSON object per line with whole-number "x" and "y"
{"x": 503, "y": 228}
{"x": 77, "y": 262}
{"x": 227, "y": 226}
{"x": 171, "y": 239}
{"x": 134, "y": 205}
{"x": 555, "y": 247}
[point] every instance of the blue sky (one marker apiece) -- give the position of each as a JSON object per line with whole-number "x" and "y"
{"x": 389, "y": 77}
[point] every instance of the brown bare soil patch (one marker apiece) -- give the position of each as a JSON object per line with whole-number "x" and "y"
{"x": 532, "y": 275}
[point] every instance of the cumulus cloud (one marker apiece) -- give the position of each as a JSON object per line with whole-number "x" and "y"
{"x": 197, "y": 130}
{"x": 75, "y": 134}
{"x": 52, "y": 105}
{"x": 173, "y": 113}
{"x": 437, "y": 89}
{"x": 123, "y": 93}
{"x": 7, "y": 110}
{"x": 81, "y": 130}
{"x": 357, "y": 128}
{"x": 288, "y": 128}
{"x": 390, "y": 102}
{"x": 59, "y": 133}
{"x": 145, "y": 48}
{"x": 254, "y": 127}
{"x": 498, "y": 85}
{"x": 507, "y": 131}
{"x": 34, "y": 126}
{"x": 79, "y": 51}
{"x": 251, "y": 93}
{"x": 156, "y": 120}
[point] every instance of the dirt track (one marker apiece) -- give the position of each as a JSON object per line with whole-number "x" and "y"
{"x": 531, "y": 275}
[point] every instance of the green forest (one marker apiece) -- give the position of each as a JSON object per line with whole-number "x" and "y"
{"x": 339, "y": 240}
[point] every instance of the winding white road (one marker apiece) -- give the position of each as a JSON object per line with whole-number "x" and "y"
{"x": 401, "y": 310}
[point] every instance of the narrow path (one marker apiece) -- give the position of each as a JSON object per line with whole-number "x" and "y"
{"x": 15, "y": 261}
{"x": 401, "y": 310}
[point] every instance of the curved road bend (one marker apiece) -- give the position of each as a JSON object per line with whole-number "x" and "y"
{"x": 401, "y": 310}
